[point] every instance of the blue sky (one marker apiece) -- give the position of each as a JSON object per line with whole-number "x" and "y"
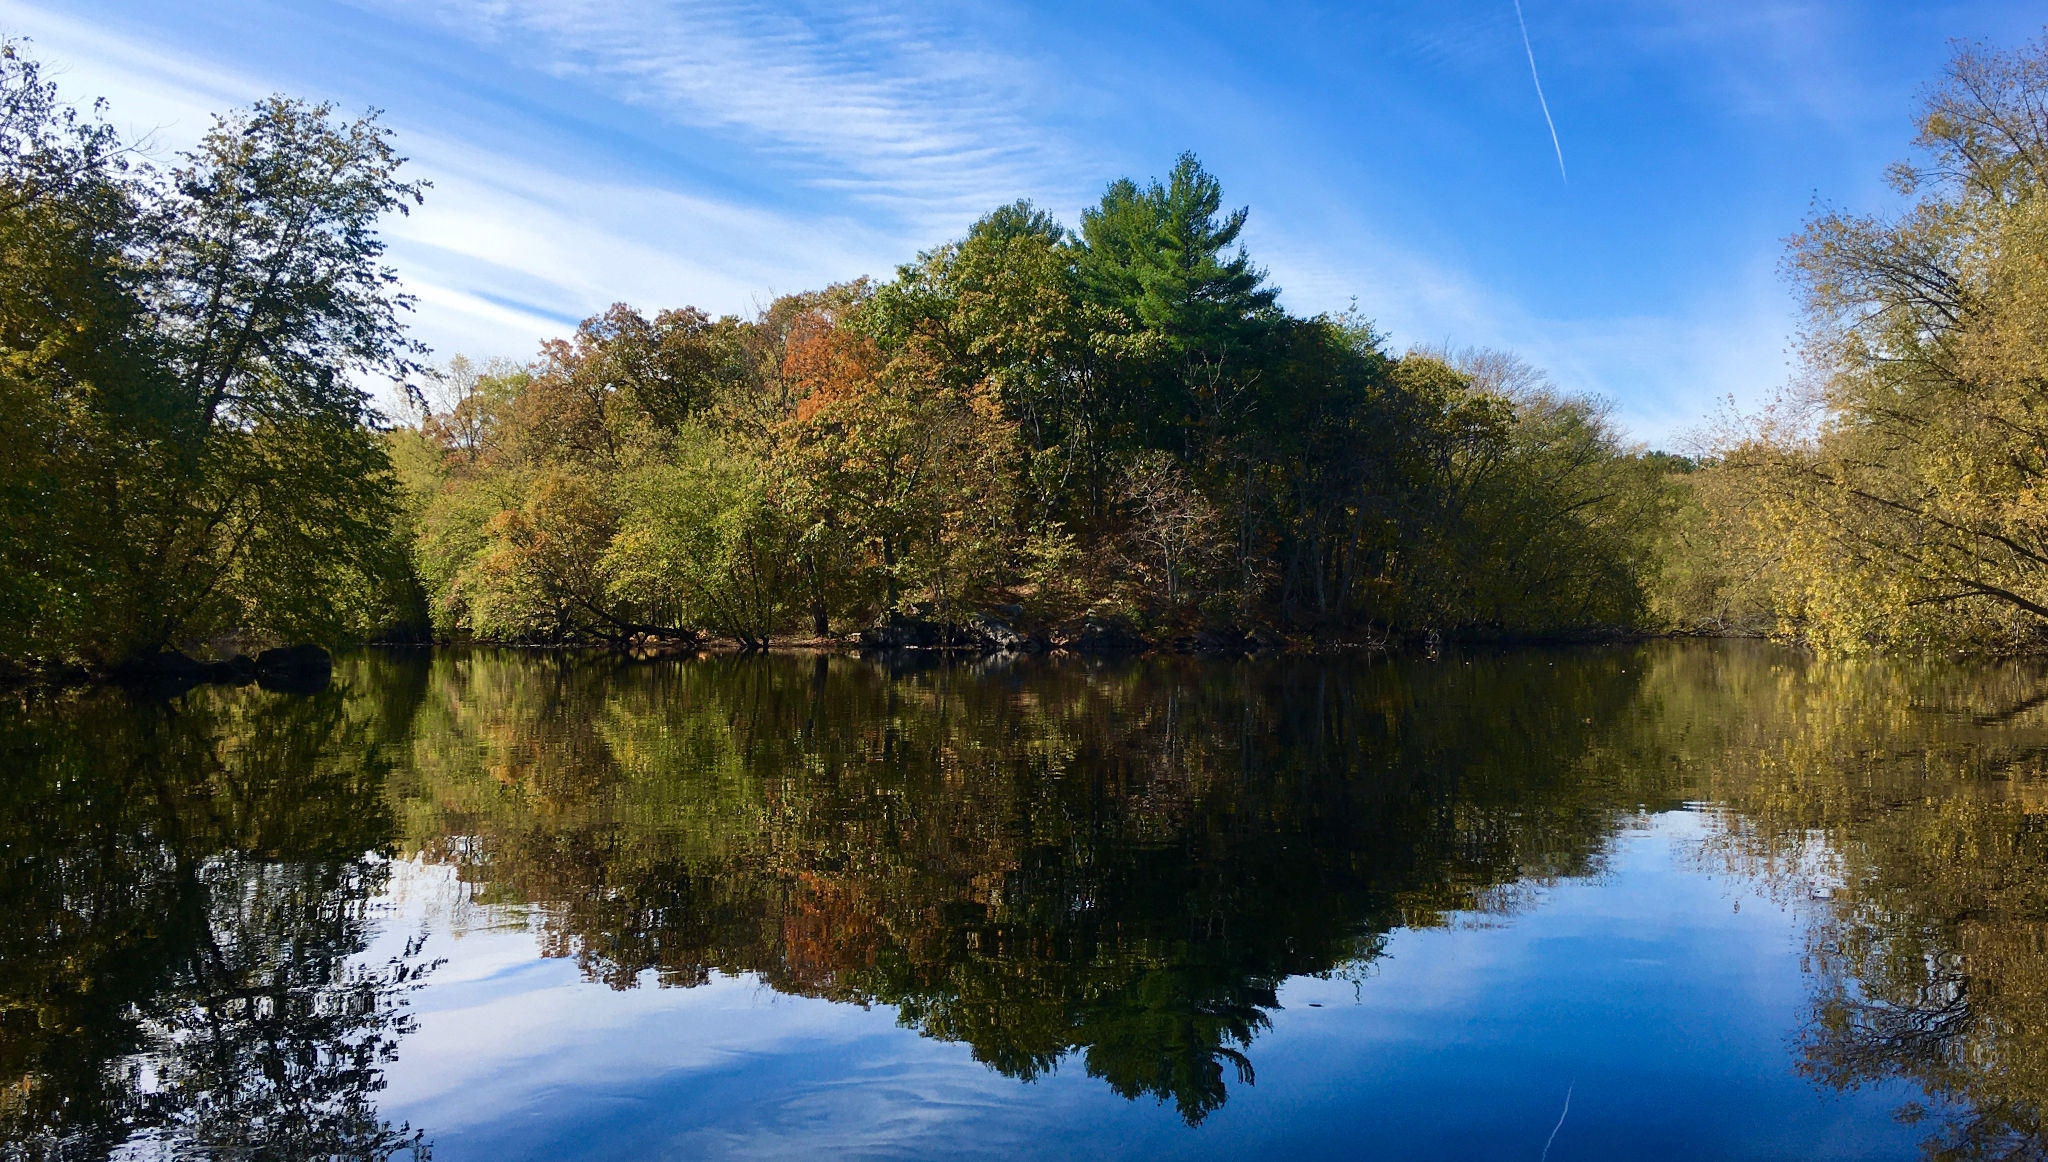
{"x": 661, "y": 153}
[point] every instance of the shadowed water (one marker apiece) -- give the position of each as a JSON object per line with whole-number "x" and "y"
{"x": 1733, "y": 901}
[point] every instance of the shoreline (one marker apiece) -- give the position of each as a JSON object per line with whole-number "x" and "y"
{"x": 1296, "y": 646}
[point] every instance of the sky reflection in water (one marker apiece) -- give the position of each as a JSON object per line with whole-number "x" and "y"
{"x": 1736, "y": 902}
{"x": 1663, "y": 1006}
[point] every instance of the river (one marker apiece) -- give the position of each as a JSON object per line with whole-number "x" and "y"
{"x": 1677, "y": 899}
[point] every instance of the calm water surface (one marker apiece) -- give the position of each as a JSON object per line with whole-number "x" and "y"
{"x": 1680, "y": 900}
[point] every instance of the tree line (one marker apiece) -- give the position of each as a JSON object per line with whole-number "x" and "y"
{"x": 1118, "y": 420}
{"x": 1051, "y": 428}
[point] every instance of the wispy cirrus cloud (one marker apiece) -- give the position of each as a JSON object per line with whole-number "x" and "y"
{"x": 889, "y": 105}
{"x": 719, "y": 152}
{"x": 552, "y": 247}
{"x": 508, "y": 249}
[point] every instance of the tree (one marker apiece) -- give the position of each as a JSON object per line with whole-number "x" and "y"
{"x": 1193, "y": 314}
{"x": 194, "y": 451}
{"x": 702, "y": 540}
{"x": 894, "y": 471}
{"x": 268, "y": 297}
{"x": 1173, "y": 525}
{"x": 1556, "y": 522}
{"x": 82, "y": 400}
{"x": 1898, "y": 495}
{"x": 1005, "y": 307}
{"x": 1123, "y": 418}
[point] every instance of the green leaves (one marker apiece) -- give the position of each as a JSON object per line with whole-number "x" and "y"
{"x": 268, "y": 288}
{"x": 1122, "y": 420}
{"x": 1158, "y": 255}
{"x": 189, "y": 447}
{"x": 702, "y": 539}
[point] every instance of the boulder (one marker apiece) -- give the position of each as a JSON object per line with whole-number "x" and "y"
{"x": 988, "y": 633}
{"x": 163, "y": 668}
{"x": 294, "y": 669}
{"x": 901, "y": 632}
{"x": 1214, "y": 640}
{"x": 1107, "y": 635}
{"x": 998, "y": 636}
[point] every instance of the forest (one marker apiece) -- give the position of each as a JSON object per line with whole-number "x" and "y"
{"x": 1095, "y": 436}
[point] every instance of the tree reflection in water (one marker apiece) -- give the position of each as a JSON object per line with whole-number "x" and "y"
{"x": 1109, "y": 865}
{"x": 1118, "y": 863}
{"x": 1923, "y": 791}
{"x": 185, "y": 893}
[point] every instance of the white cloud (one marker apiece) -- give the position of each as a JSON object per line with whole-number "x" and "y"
{"x": 880, "y": 103}
{"x": 507, "y": 250}
{"x": 504, "y": 239}
{"x": 167, "y": 99}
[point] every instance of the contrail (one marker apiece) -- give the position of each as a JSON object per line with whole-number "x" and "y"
{"x": 1567, "y": 1106}
{"x": 1539, "y": 93}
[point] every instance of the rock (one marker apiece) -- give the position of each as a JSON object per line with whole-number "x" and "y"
{"x": 163, "y": 667}
{"x": 994, "y": 635}
{"x": 900, "y": 632}
{"x": 299, "y": 669}
{"x": 1214, "y": 640}
{"x": 1107, "y": 635}
{"x": 985, "y": 633}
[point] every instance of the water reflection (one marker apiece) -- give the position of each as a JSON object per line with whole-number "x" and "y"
{"x": 185, "y": 885}
{"x": 1115, "y": 864}
{"x": 1059, "y": 864}
{"x": 1915, "y": 800}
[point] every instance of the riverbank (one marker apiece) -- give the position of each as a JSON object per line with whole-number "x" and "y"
{"x": 306, "y": 668}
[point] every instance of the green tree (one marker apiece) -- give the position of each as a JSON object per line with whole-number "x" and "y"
{"x": 191, "y": 449}
{"x": 702, "y": 540}
{"x": 83, "y": 403}
{"x": 1194, "y": 311}
{"x": 268, "y": 296}
{"x": 1122, "y": 420}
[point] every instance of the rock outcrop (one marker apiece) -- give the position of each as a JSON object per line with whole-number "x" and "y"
{"x": 1106, "y": 635}
{"x": 993, "y": 631}
{"x": 298, "y": 669}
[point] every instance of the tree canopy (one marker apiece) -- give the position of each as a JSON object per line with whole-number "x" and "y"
{"x": 1120, "y": 422}
{"x": 1893, "y": 499}
{"x": 188, "y": 447}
